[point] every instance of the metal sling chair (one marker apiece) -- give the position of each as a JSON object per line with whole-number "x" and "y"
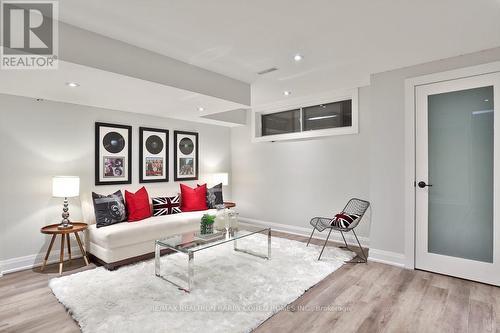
{"x": 354, "y": 206}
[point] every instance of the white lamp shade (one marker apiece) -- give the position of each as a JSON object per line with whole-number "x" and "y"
{"x": 65, "y": 186}
{"x": 222, "y": 177}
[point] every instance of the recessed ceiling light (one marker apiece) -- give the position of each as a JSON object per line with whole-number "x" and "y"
{"x": 201, "y": 109}
{"x": 297, "y": 57}
{"x": 486, "y": 100}
{"x": 287, "y": 93}
{"x": 72, "y": 84}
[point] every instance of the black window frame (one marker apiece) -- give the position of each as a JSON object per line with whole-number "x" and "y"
{"x": 302, "y": 120}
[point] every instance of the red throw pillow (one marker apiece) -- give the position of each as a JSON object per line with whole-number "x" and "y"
{"x": 138, "y": 205}
{"x": 193, "y": 199}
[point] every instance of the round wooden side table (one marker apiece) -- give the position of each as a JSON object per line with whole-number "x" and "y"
{"x": 65, "y": 233}
{"x": 229, "y": 204}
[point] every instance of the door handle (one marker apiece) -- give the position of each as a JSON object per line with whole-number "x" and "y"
{"x": 422, "y": 184}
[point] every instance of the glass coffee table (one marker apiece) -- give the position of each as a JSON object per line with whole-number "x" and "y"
{"x": 191, "y": 242}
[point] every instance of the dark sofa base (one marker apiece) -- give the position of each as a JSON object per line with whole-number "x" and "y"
{"x": 117, "y": 264}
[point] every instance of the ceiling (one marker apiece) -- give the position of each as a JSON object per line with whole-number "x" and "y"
{"x": 342, "y": 42}
{"x": 109, "y": 90}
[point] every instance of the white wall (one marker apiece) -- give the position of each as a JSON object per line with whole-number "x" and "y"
{"x": 387, "y": 150}
{"x": 41, "y": 139}
{"x": 289, "y": 182}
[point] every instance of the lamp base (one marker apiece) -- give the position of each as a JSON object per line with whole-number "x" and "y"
{"x": 65, "y": 224}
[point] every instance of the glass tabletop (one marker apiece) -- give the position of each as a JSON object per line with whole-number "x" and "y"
{"x": 194, "y": 241}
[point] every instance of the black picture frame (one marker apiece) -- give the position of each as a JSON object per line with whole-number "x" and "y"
{"x": 127, "y": 160}
{"x": 142, "y": 156}
{"x": 196, "y": 163}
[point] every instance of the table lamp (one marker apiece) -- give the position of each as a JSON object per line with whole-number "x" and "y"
{"x": 65, "y": 187}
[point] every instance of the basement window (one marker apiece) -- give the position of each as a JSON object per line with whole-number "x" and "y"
{"x": 281, "y": 122}
{"x": 322, "y": 116}
{"x": 331, "y": 115}
{"x": 311, "y": 118}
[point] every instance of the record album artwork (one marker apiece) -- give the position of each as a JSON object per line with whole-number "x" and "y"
{"x": 186, "y": 146}
{"x": 153, "y": 155}
{"x": 185, "y": 155}
{"x": 113, "y": 142}
{"x": 113, "y": 154}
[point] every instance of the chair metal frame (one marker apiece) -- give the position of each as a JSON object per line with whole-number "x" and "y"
{"x": 353, "y": 206}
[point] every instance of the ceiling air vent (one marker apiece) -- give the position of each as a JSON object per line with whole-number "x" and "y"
{"x": 269, "y": 70}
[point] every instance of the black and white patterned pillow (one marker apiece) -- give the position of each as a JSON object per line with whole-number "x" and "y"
{"x": 344, "y": 220}
{"x": 214, "y": 196}
{"x": 109, "y": 209}
{"x": 166, "y": 205}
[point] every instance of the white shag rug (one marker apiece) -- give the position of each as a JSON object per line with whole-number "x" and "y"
{"x": 233, "y": 291}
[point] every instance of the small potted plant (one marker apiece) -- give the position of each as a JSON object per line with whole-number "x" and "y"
{"x": 207, "y": 224}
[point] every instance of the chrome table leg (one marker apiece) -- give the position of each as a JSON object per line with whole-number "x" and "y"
{"x": 269, "y": 243}
{"x": 263, "y": 256}
{"x": 190, "y": 275}
{"x": 157, "y": 259}
{"x": 190, "y": 271}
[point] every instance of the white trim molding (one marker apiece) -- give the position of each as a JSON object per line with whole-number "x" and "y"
{"x": 296, "y": 103}
{"x": 410, "y": 142}
{"x": 32, "y": 261}
{"x": 303, "y": 231}
{"x": 387, "y": 257}
{"x": 374, "y": 255}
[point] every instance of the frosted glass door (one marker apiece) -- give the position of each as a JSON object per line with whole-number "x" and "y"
{"x": 461, "y": 173}
{"x": 455, "y": 178}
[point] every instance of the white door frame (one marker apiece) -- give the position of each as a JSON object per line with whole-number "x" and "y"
{"x": 410, "y": 144}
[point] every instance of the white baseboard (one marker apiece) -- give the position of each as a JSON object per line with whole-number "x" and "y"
{"x": 33, "y": 260}
{"x": 387, "y": 257}
{"x": 375, "y": 255}
{"x": 306, "y": 231}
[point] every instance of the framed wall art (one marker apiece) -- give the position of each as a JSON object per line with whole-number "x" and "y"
{"x": 153, "y": 155}
{"x": 185, "y": 155}
{"x": 113, "y": 154}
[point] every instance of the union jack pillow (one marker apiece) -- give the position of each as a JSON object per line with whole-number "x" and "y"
{"x": 166, "y": 205}
{"x": 343, "y": 220}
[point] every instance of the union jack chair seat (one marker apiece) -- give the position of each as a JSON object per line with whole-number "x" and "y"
{"x": 345, "y": 221}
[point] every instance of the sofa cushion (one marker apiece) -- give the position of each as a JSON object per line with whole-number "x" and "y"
{"x": 151, "y": 229}
{"x": 193, "y": 199}
{"x": 109, "y": 209}
{"x": 138, "y": 205}
{"x": 214, "y": 196}
{"x": 166, "y": 205}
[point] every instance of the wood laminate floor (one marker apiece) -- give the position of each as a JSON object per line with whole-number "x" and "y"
{"x": 356, "y": 298}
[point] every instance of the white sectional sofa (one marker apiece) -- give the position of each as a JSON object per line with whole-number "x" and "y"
{"x": 123, "y": 243}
